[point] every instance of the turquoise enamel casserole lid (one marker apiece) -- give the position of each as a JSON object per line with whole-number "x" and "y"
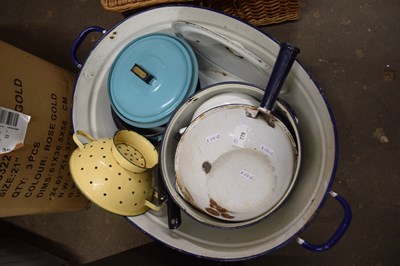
{"x": 150, "y": 77}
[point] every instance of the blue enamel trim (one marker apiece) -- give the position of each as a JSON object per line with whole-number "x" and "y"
{"x": 80, "y": 39}
{"x": 337, "y": 234}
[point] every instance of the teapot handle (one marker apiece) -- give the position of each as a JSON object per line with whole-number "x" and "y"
{"x": 83, "y": 134}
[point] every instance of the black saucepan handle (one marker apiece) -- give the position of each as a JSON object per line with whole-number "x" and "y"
{"x": 283, "y": 64}
{"x": 173, "y": 213}
{"x": 173, "y": 210}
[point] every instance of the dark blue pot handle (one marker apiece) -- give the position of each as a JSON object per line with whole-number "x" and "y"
{"x": 79, "y": 41}
{"x": 338, "y": 233}
{"x": 284, "y": 61}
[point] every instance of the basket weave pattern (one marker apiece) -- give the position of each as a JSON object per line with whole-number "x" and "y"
{"x": 261, "y": 12}
{"x": 256, "y": 12}
{"x": 129, "y": 5}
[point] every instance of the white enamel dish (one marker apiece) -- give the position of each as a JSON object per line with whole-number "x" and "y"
{"x": 223, "y": 53}
{"x": 234, "y": 167}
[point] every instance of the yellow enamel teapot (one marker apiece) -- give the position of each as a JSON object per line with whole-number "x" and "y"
{"x": 116, "y": 173}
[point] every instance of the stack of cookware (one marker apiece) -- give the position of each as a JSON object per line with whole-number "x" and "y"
{"x": 215, "y": 139}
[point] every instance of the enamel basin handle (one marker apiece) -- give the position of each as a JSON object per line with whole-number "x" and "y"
{"x": 284, "y": 61}
{"x": 338, "y": 233}
{"x": 77, "y": 43}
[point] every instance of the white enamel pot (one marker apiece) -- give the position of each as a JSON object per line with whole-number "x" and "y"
{"x": 251, "y": 170}
{"x": 91, "y": 112}
{"x": 238, "y": 162}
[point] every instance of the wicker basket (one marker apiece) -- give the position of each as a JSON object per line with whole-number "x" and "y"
{"x": 256, "y": 12}
{"x": 131, "y": 5}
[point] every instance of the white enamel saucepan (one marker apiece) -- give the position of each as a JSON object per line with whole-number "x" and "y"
{"x": 237, "y": 162}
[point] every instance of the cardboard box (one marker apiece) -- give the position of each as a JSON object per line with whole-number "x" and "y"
{"x": 34, "y": 175}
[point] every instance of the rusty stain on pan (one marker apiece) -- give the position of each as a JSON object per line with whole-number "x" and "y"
{"x": 216, "y": 210}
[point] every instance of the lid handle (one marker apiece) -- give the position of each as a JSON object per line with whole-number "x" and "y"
{"x": 141, "y": 73}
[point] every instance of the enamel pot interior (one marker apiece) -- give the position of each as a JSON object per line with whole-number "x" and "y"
{"x": 91, "y": 112}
